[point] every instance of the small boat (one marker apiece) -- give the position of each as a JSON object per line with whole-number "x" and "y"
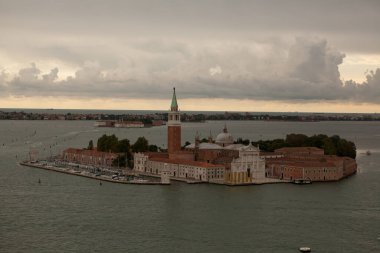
{"x": 139, "y": 180}
{"x": 305, "y": 249}
{"x": 302, "y": 181}
{"x": 368, "y": 152}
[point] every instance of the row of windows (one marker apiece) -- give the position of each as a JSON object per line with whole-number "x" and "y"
{"x": 174, "y": 117}
{"x": 307, "y": 170}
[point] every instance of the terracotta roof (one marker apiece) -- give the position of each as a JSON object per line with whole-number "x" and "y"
{"x": 88, "y": 152}
{"x": 205, "y": 145}
{"x": 156, "y": 154}
{"x": 300, "y": 163}
{"x": 297, "y": 149}
{"x": 268, "y": 153}
{"x": 131, "y": 122}
{"x": 186, "y": 162}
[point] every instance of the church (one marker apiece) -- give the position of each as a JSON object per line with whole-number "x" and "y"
{"x": 216, "y": 161}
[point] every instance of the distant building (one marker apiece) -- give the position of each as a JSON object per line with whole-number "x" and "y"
{"x": 184, "y": 169}
{"x": 104, "y": 123}
{"x": 309, "y": 163}
{"x": 158, "y": 123}
{"x": 88, "y": 157}
{"x": 129, "y": 124}
{"x": 302, "y": 151}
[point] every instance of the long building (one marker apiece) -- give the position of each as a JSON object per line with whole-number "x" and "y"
{"x": 89, "y": 157}
{"x": 309, "y": 164}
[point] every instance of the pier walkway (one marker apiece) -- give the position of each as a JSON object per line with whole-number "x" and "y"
{"x": 86, "y": 174}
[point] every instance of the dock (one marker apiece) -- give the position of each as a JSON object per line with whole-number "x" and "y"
{"x": 180, "y": 179}
{"x": 88, "y": 175}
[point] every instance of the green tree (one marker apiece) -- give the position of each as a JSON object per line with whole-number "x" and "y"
{"x": 329, "y": 146}
{"x": 125, "y": 158}
{"x": 333, "y": 145}
{"x": 108, "y": 143}
{"x": 241, "y": 141}
{"x": 123, "y": 146}
{"x": 203, "y": 140}
{"x": 90, "y": 145}
{"x": 186, "y": 144}
{"x": 316, "y": 140}
{"x": 296, "y": 140}
{"x": 153, "y": 148}
{"x": 141, "y": 145}
{"x": 147, "y": 121}
{"x": 346, "y": 148}
{"x": 120, "y": 161}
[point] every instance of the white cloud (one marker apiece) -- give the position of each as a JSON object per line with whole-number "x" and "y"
{"x": 215, "y": 70}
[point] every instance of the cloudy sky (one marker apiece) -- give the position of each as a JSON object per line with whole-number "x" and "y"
{"x": 284, "y": 55}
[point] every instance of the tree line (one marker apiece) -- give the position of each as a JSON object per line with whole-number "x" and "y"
{"x": 110, "y": 143}
{"x": 332, "y": 145}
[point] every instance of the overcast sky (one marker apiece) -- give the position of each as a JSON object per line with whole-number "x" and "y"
{"x": 221, "y": 55}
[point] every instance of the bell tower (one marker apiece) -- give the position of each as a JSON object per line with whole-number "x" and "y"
{"x": 174, "y": 126}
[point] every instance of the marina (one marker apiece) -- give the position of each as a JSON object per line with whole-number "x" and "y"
{"x": 113, "y": 179}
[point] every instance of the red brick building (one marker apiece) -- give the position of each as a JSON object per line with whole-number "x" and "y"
{"x": 309, "y": 163}
{"x": 88, "y": 157}
{"x": 303, "y": 151}
{"x": 174, "y": 127}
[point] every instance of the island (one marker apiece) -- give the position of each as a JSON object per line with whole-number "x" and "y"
{"x": 296, "y": 159}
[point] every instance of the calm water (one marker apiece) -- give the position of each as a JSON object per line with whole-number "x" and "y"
{"x": 73, "y": 214}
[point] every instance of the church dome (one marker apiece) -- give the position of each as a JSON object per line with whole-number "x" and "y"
{"x": 224, "y": 138}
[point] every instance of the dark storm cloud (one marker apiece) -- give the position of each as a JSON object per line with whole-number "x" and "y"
{"x": 307, "y": 71}
{"x": 222, "y": 49}
{"x": 350, "y": 22}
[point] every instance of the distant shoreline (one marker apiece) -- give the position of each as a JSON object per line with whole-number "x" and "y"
{"x": 148, "y": 116}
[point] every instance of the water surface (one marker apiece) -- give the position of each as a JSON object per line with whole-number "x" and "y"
{"x": 74, "y": 214}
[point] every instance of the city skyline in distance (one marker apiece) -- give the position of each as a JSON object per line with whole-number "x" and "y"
{"x": 222, "y": 56}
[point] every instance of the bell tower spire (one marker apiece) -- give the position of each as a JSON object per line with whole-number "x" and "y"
{"x": 174, "y": 105}
{"x": 174, "y": 126}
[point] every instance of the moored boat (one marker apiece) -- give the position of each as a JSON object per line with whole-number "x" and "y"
{"x": 302, "y": 181}
{"x": 305, "y": 249}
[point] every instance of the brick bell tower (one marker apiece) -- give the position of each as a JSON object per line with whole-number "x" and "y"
{"x": 174, "y": 127}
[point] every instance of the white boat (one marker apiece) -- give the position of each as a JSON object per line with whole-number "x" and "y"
{"x": 305, "y": 249}
{"x": 302, "y": 181}
{"x": 140, "y": 180}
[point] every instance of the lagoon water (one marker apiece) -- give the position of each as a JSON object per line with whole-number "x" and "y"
{"x": 66, "y": 213}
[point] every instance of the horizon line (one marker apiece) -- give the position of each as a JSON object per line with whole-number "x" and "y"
{"x": 221, "y": 111}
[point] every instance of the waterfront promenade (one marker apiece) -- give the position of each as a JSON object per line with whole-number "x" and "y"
{"x": 90, "y": 175}
{"x": 180, "y": 179}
